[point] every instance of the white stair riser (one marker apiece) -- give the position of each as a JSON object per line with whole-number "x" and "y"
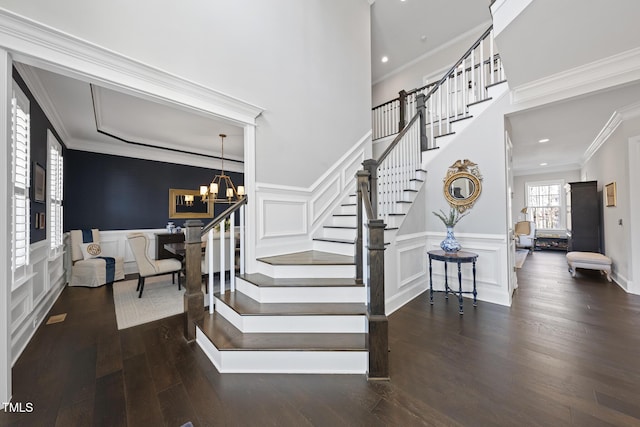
{"x": 292, "y": 324}
{"x": 308, "y": 362}
{"x": 339, "y": 233}
{"x": 289, "y": 271}
{"x": 497, "y": 90}
{"x": 459, "y": 125}
{"x": 342, "y": 221}
{"x": 349, "y": 209}
{"x": 329, "y": 294}
{"x": 334, "y": 248}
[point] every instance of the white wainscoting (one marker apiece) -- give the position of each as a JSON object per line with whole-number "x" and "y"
{"x": 406, "y": 275}
{"x": 492, "y": 267}
{"x": 289, "y": 216}
{"x": 31, "y": 299}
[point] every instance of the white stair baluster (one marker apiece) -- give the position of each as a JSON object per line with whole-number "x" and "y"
{"x": 209, "y": 262}
{"x": 223, "y": 274}
{"x": 242, "y": 239}
{"x": 232, "y": 253}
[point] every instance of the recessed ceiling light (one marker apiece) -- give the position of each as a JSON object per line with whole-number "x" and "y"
{"x": 543, "y": 140}
{"x": 385, "y": 59}
{"x": 543, "y": 164}
{"x": 423, "y": 38}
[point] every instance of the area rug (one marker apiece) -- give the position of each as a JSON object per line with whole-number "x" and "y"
{"x": 160, "y": 299}
{"x": 521, "y": 256}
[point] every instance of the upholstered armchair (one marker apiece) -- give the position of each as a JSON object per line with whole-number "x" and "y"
{"x": 91, "y": 266}
{"x": 525, "y": 232}
{"x": 147, "y": 267}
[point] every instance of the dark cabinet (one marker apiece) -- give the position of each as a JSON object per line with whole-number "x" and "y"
{"x": 583, "y": 222}
{"x": 164, "y": 238}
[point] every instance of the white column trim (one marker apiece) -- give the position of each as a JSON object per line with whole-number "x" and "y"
{"x": 5, "y": 226}
{"x": 633, "y": 285}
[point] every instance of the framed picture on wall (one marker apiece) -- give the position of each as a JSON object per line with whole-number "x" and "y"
{"x": 39, "y": 182}
{"x": 42, "y": 220}
{"x": 610, "y": 194}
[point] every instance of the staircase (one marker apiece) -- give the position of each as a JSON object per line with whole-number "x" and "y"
{"x": 312, "y": 312}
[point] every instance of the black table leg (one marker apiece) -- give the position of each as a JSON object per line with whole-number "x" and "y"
{"x": 430, "y": 283}
{"x": 461, "y": 311}
{"x": 446, "y": 282}
{"x": 475, "y": 293}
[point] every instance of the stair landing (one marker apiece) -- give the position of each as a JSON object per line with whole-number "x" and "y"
{"x": 309, "y": 258}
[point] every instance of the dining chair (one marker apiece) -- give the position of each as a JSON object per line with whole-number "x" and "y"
{"x": 147, "y": 267}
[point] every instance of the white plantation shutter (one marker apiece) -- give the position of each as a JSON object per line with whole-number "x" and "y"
{"x": 55, "y": 206}
{"x": 20, "y": 175}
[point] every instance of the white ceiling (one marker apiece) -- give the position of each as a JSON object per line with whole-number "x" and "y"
{"x": 571, "y": 127}
{"x": 398, "y": 28}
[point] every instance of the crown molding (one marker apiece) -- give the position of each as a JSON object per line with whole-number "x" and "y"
{"x": 118, "y": 148}
{"x": 41, "y": 95}
{"x": 541, "y": 170}
{"x": 36, "y": 44}
{"x": 617, "y": 118}
{"x": 601, "y": 74}
{"x": 476, "y": 30}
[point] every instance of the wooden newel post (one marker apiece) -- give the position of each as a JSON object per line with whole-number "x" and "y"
{"x": 193, "y": 296}
{"x": 371, "y": 166}
{"x": 362, "y": 177}
{"x": 402, "y": 96}
{"x": 378, "y": 324}
{"x": 422, "y": 110}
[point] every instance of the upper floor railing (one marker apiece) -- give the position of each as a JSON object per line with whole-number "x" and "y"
{"x": 447, "y": 100}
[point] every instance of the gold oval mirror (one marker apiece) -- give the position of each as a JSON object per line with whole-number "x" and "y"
{"x": 462, "y": 185}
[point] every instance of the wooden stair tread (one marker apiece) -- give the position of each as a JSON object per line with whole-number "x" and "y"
{"x": 309, "y": 258}
{"x": 334, "y": 240}
{"x": 247, "y": 306}
{"x": 226, "y": 337}
{"x": 262, "y": 280}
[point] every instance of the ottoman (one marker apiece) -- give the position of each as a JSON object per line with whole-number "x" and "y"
{"x": 590, "y": 260}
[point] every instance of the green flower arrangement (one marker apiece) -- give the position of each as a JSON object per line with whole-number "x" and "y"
{"x": 451, "y": 219}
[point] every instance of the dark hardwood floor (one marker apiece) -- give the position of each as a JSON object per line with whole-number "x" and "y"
{"x": 567, "y": 353}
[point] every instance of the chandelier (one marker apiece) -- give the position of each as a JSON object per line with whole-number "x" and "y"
{"x": 221, "y": 189}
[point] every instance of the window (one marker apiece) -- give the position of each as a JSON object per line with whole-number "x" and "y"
{"x": 55, "y": 192}
{"x": 20, "y": 174}
{"x": 545, "y": 203}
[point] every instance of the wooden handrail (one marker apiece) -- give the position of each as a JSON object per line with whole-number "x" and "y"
{"x": 462, "y": 58}
{"x": 397, "y": 139}
{"x": 217, "y": 220}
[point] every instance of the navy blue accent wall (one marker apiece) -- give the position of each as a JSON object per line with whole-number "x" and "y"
{"x": 119, "y": 193}
{"x": 39, "y": 125}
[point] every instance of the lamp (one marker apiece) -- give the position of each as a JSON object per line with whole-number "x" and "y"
{"x": 221, "y": 184}
{"x": 524, "y": 211}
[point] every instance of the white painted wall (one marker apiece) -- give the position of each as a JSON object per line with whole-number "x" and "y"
{"x": 436, "y": 63}
{"x": 484, "y": 230}
{"x": 307, "y": 63}
{"x": 612, "y": 164}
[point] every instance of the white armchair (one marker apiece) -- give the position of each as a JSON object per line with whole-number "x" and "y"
{"x": 525, "y": 232}
{"x": 91, "y": 266}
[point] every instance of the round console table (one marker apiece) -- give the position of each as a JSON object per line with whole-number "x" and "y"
{"x": 459, "y": 258}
